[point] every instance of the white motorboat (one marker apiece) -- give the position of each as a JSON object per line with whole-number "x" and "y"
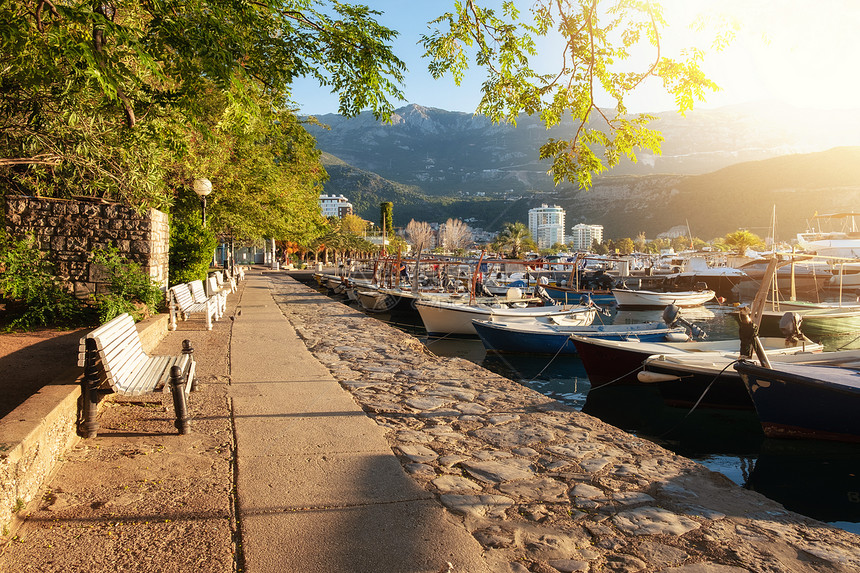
{"x": 619, "y": 361}
{"x": 442, "y": 318}
{"x": 653, "y": 299}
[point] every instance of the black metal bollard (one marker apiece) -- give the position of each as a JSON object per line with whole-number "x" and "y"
{"x": 188, "y": 349}
{"x": 177, "y": 388}
{"x": 90, "y": 394}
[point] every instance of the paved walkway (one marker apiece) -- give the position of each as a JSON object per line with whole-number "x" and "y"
{"x": 319, "y": 488}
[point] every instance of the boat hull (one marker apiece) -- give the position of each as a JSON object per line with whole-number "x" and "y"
{"x": 566, "y": 295}
{"x": 619, "y": 362}
{"x": 501, "y": 337}
{"x": 653, "y": 299}
{"x": 815, "y": 402}
{"x": 836, "y": 328}
{"x": 445, "y": 319}
{"x": 708, "y": 389}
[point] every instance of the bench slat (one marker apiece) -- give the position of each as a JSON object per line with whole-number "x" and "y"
{"x": 156, "y": 373}
{"x": 148, "y": 376}
{"x": 117, "y": 353}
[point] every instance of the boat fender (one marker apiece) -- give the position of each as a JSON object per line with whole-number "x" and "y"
{"x": 677, "y": 337}
{"x": 654, "y": 377}
{"x": 514, "y": 293}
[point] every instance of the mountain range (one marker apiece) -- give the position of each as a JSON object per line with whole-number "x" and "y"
{"x": 720, "y": 170}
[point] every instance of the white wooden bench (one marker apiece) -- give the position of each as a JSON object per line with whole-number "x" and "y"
{"x": 182, "y": 303}
{"x": 198, "y": 294}
{"x": 219, "y": 292}
{"x": 225, "y": 281}
{"x": 114, "y": 362}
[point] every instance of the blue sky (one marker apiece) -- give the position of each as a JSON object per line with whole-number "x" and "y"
{"x": 799, "y": 52}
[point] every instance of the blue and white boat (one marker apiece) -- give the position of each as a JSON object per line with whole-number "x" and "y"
{"x": 805, "y": 401}
{"x": 550, "y": 337}
{"x": 570, "y": 295}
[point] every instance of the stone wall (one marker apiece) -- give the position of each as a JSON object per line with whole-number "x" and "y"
{"x": 69, "y": 230}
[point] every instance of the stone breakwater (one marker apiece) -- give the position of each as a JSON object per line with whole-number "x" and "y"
{"x": 541, "y": 486}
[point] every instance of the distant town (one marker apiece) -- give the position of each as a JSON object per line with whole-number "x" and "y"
{"x": 546, "y": 225}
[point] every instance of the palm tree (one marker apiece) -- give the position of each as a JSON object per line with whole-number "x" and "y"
{"x": 516, "y": 237}
{"x": 742, "y": 240}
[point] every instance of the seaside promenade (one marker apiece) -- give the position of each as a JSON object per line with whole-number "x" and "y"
{"x": 325, "y": 441}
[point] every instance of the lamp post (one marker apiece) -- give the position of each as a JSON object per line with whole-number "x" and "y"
{"x": 203, "y": 187}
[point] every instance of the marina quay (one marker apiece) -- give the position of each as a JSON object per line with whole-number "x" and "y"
{"x": 323, "y": 439}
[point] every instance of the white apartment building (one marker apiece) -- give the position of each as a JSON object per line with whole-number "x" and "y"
{"x": 583, "y": 236}
{"x": 335, "y": 206}
{"x": 546, "y": 224}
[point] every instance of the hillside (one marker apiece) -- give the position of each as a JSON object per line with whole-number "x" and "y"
{"x": 720, "y": 170}
{"x": 739, "y": 196}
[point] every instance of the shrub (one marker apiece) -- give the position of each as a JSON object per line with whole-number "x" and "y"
{"x": 131, "y": 289}
{"x": 191, "y": 249}
{"x": 34, "y": 295}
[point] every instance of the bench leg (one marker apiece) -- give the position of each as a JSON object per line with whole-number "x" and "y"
{"x": 90, "y": 395}
{"x": 180, "y": 406}
{"x": 188, "y": 349}
{"x": 172, "y": 306}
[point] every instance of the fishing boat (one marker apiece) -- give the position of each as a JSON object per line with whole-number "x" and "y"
{"x": 836, "y": 328}
{"x": 719, "y": 278}
{"x": 654, "y": 299}
{"x": 442, "y": 318}
{"x": 804, "y": 277}
{"x": 549, "y": 335}
{"x": 619, "y": 361}
{"x": 402, "y": 301}
{"x": 569, "y": 295}
{"x": 708, "y": 380}
{"x": 804, "y": 400}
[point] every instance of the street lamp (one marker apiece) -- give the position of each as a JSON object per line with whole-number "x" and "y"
{"x": 203, "y": 187}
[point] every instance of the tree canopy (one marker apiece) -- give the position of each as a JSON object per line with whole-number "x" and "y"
{"x": 514, "y": 238}
{"x": 131, "y": 100}
{"x": 598, "y": 37}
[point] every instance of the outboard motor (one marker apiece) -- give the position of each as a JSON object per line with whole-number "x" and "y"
{"x": 544, "y": 296}
{"x": 789, "y": 324}
{"x": 672, "y": 316}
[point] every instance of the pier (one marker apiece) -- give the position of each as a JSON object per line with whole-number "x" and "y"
{"x": 324, "y": 440}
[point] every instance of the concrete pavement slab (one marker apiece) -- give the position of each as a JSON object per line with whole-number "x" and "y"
{"x": 256, "y": 436}
{"x": 318, "y": 486}
{"x": 330, "y": 480}
{"x": 407, "y": 537}
{"x": 291, "y": 398}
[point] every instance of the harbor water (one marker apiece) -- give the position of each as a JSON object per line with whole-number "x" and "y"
{"x": 817, "y": 479}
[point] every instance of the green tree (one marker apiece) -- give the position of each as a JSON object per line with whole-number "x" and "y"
{"x": 514, "y": 238}
{"x": 598, "y": 39}
{"x": 680, "y": 244}
{"x": 386, "y": 214}
{"x": 625, "y": 246}
{"x": 741, "y": 240}
{"x": 118, "y": 99}
{"x": 353, "y": 224}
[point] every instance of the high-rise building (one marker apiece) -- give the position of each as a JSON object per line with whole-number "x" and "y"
{"x": 584, "y": 236}
{"x": 335, "y": 206}
{"x": 546, "y": 224}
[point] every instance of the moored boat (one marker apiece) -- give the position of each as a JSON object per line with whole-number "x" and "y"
{"x": 805, "y": 401}
{"x": 654, "y": 299}
{"x": 443, "y": 318}
{"x": 836, "y": 328}
{"x": 619, "y": 361}
{"x": 553, "y": 336}
{"x": 708, "y": 380}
